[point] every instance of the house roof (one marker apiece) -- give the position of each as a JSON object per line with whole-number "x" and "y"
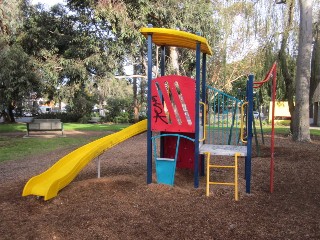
{"x": 316, "y": 95}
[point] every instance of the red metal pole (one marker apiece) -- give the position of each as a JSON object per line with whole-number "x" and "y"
{"x": 272, "y": 73}
{"x": 274, "y": 83}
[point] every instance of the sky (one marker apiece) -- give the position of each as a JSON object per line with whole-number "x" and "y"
{"x": 48, "y": 3}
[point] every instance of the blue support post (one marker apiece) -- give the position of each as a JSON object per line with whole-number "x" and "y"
{"x": 163, "y": 60}
{"x": 162, "y": 72}
{"x": 149, "y": 133}
{"x": 249, "y": 132}
{"x": 196, "y": 142}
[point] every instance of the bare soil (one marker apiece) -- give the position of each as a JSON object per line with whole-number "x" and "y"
{"x": 120, "y": 205}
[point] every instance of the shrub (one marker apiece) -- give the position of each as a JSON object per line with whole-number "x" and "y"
{"x": 123, "y": 117}
{"x": 63, "y": 116}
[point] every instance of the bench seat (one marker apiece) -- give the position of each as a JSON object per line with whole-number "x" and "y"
{"x": 45, "y": 125}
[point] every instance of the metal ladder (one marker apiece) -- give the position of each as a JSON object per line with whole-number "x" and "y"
{"x": 235, "y": 167}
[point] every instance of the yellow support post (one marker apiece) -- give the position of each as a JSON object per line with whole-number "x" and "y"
{"x": 236, "y": 193}
{"x": 208, "y": 174}
{"x": 242, "y": 123}
{"x": 204, "y": 121}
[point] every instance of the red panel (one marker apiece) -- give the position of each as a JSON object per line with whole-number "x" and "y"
{"x": 186, "y": 150}
{"x": 173, "y": 104}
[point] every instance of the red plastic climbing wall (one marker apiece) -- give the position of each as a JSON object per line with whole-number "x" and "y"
{"x": 173, "y": 104}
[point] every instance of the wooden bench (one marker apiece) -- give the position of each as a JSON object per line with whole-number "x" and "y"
{"x": 45, "y": 125}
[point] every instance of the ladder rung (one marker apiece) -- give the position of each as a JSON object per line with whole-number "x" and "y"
{"x": 221, "y": 166}
{"x": 222, "y": 183}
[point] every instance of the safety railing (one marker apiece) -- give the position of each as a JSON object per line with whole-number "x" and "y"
{"x": 223, "y": 118}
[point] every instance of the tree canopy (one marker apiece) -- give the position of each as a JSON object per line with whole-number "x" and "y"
{"x": 85, "y": 47}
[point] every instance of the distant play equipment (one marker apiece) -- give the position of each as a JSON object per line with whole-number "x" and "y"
{"x": 177, "y": 109}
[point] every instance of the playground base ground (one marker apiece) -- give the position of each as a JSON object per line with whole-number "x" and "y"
{"x": 120, "y": 205}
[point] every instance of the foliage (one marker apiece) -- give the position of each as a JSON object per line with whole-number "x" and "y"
{"x": 18, "y": 77}
{"x": 10, "y": 18}
{"x": 74, "y": 50}
{"x": 77, "y": 50}
{"x": 82, "y": 103}
{"x": 119, "y": 110}
{"x": 65, "y": 117}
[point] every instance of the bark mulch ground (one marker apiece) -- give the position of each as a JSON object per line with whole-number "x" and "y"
{"x": 120, "y": 205}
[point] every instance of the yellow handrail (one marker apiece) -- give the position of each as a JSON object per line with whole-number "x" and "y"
{"x": 242, "y": 123}
{"x": 204, "y": 121}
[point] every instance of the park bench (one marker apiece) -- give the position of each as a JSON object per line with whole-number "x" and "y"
{"x": 94, "y": 120}
{"x": 45, "y": 125}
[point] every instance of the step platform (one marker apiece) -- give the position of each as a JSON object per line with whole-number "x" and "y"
{"x": 223, "y": 150}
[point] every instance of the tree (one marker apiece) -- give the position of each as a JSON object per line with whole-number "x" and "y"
{"x": 288, "y": 74}
{"x": 18, "y": 74}
{"x": 126, "y": 17}
{"x": 73, "y": 46}
{"x": 10, "y": 17}
{"x": 18, "y": 78}
{"x": 301, "y": 117}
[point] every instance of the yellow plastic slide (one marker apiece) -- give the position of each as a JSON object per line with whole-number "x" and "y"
{"x": 48, "y": 183}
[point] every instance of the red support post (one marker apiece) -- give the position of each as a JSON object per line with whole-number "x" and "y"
{"x": 272, "y": 73}
{"x": 274, "y": 87}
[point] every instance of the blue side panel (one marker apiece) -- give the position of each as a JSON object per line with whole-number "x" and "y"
{"x": 162, "y": 71}
{"x": 165, "y": 170}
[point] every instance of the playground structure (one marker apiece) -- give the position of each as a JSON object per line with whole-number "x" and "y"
{"x": 177, "y": 109}
{"x": 187, "y": 119}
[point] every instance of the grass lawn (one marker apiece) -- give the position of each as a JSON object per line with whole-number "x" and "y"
{"x": 21, "y": 127}
{"x": 15, "y": 148}
{"x": 286, "y": 130}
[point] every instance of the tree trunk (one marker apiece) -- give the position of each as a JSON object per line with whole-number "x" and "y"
{"x": 288, "y": 78}
{"x": 301, "y": 123}
{"x": 135, "y": 96}
{"x": 174, "y": 60}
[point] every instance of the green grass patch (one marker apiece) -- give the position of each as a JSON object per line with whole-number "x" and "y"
{"x": 277, "y": 129}
{"x": 286, "y": 130}
{"x": 22, "y": 127}
{"x": 94, "y": 127}
{"x": 15, "y": 148}
{"x": 315, "y": 132}
{"x": 14, "y": 127}
{"x": 12, "y": 148}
